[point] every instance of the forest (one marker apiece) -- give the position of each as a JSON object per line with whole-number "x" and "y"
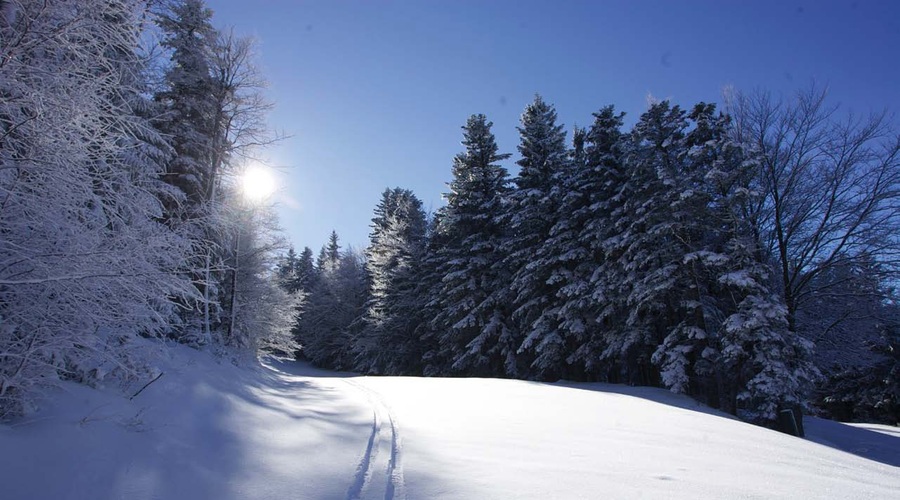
{"x": 747, "y": 259}
{"x": 745, "y": 254}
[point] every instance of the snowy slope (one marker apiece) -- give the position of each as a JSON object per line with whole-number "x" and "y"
{"x": 210, "y": 430}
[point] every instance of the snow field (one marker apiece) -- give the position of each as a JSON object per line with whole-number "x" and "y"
{"x": 486, "y": 438}
{"x": 208, "y": 429}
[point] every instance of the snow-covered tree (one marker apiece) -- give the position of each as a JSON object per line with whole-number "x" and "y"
{"x": 829, "y": 183}
{"x": 467, "y": 261}
{"x": 286, "y": 270}
{"x": 261, "y": 312}
{"x": 853, "y": 320}
{"x": 530, "y": 211}
{"x": 84, "y": 263}
{"x": 187, "y": 105}
{"x": 187, "y": 96}
{"x": 336, "y": 301}
{"x": 296, "y": 273}
{"x": 654, "y": 225}
{"x": 329, "y": 255}
{"x": 214, "y": 115}
{"x": 396, "y": 244}
{"x": 588, "y": 216}
{"x": 730, "y": 345}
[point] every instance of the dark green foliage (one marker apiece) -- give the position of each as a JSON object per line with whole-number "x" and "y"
{"x": 469, "y": 328}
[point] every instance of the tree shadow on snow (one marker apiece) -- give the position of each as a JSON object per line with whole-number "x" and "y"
{"x": 651, "y": 394}
{"x": 881, "y": 447}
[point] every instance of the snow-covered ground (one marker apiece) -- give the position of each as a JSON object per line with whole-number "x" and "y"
{"x": 212, "y": 430}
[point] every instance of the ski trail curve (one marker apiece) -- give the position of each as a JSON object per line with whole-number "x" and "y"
{"x": 380, "y": 467}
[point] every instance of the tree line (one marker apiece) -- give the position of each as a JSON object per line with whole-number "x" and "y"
{"x": 746, "y": 258}
{"x": 124, "y": 125}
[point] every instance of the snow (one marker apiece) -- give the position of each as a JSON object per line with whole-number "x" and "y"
{"x": 209, "y": 429}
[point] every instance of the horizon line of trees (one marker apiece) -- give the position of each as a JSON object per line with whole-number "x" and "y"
{"x": 748, "y": 259}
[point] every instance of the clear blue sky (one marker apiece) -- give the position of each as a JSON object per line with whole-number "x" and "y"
{"x": 374, "y": 92}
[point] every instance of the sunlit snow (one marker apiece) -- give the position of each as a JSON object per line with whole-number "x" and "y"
{"x": 211, "y": 430}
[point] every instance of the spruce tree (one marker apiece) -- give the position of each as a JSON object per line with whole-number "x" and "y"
{"x": 467, "y": 261}
{"x": 329, "y": 255}
{"x": 188, "y": 100}
{"x": 530, "y": 211}
{"x": 758, "y": 365}
{"x": 647, "y": 250}
{"x": 336, "y": 300}
{"x": 589, "y": 212}
{"x": 396, "y": 244}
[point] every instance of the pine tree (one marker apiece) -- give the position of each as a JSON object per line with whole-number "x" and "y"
{"x": 765, "y": 366}
{"x": 188, "y": 100}
{"x": 286, "y": 270}
{"x": 531, "y": 210}
{"x": 397, "y": 240}
{"x": 305, "y": 270}
{"x": 335, "y": 302}
{"x": 213, "y": 112}
{"x": 644, "y": 252}
{"x": 726, "y": 339}
{"x": 467, "y": 260}
{"x": 188, "y": 106}
{"x": 296, "y": 273}
{"x": 330, "y": 255}
{"x": 592, "y": 195}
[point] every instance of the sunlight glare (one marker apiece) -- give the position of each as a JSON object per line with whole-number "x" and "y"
{"x": 257, "y": 184}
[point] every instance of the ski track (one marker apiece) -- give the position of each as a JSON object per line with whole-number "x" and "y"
{"x": 366, "y": 481}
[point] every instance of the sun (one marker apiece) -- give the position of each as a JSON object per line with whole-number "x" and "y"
{"x": 257, "y": 183}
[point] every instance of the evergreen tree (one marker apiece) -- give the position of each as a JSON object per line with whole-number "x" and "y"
{"x": 305, "y": 270}
{"x": 397, "y": 240}
{"x": 286, "y": 270}
{"x": 531, "y": 210}
{"x": 588, "y": 214}
{"x": 213, "y": 112}
{"x": 470, "y": 232}
{"x": 336, "y": 301}
{"x": 296, "y": 273}
{"x": 729, "y": 342}
{"x": 188, "y": 99}
{"x": 330, "y": 255}
{"x": 644, "y": 254}
{"x": 188, "y": 106}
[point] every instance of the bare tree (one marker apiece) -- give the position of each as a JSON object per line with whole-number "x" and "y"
{"x": 216, "y": 117}
{"x": 261, "y": 313}
{"x": 831, "y": 186}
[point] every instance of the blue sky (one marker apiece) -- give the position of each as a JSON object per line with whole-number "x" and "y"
{"x": 374, "y": 93}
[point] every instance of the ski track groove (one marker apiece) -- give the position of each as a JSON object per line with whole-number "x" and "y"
{"x": 362, "y": 469}
{"x": 366, "y": 469}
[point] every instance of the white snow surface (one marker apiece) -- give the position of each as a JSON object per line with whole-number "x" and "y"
{"x": 208, "y": 429}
